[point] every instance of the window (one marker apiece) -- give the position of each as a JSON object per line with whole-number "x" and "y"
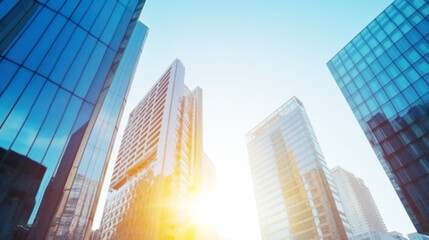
{"x": 354, "y": 54}
{"x": 357, "y": 98}
{"x": 401, "y": 82}
{"x": 70, "y": 6}
{"x": 68, "y": 55}
{"x": 113, "y": 24}
{"x": 412, "y": 56}
{"x": 365, "y": 92}
{"x": 423, "y": 25}
{"x": 13, "y": 91}
{"x": 17, "y": 117}
{"x": 422, "y": 67}
{"x": 6, "y": 6}
{"x": 391, "y": 90}
{"x": 363, "y": 109}
{"x": 376, "y": 68}
{"x": 389, "y": 27}
{"x": 411, "y": 75}
{"x": 55, "y": 50}
{"x": 380, "y": 35}
{"x": 31, "y": 35}
{"x": 402, "y": 63}
{"x": 396, "y": 16}
{"x": 403, "y": 45}
{"x": 340, "y": 69}
{"x": 381, "y": 97}
{"x": 91, "y": 14}
{"x": 410, "y": 95}
{"x": 97, "y": 84}
{"x": 393, "y": 52}
{"x": 35, "y": 119}
{"x": 374, "y": 85}
{"x": 413, "y": 36}
{"x": 392, "y": 70}
{"x": 405, "y": 8}
{"x": 78, "y": 64}
{"x": 399, "y": 103}
{"x": 422, "y": 47}
{"x": 415, "y": 18}
{"x": 383, "y": 78}
{"x": 351, "y": 87}
{"x": 370, "y": 57}
{"x": 386, "y": 43}
{"x": 371, "y": 103}
{"x": 353, "y": 72}
{"x": 80, "y": 10}
{"x": 389, "y": 110}
{"x": 103, "y": 17}
{"x": 91, "y": 69}
{"x": 48, "y": 128}
{"x": 55, "y": 4}
{"x": 359, "y": 81}
{"x": 41, "y": 49}
{"x": 7, "y": 70}
{"x": 361, "y": 65}
{"x": 396, "y": 35}
{"x": 421, "y": 87}
{"x": 405, "y": 26}
{"x": 362, "y": 47}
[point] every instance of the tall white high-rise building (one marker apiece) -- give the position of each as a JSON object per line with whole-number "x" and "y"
{"x": 295, "y": 195}
{"x": 208, "y": 176}
{"x": 362, "y": 213}
{"x": 158, "y": 166}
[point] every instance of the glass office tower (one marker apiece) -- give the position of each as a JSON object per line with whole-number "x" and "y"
{"x": 295, "y": 195}
{"x": 384, "y": 75}
{"x": 156, "y": 175}
{"x": 65, "y": 70}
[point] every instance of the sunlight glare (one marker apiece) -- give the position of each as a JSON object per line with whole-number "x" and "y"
{"x": 205, "y": 210}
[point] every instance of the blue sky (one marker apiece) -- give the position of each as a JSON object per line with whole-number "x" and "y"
{"x": 250, "y": 57}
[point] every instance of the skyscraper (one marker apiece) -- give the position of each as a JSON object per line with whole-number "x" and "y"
{"x": 383, "y": 74}
{"x": 158, "y": 164}
{"x": 295, "y": 195}
{"x": 65, "y": 69}
{"x": 362, "y": 213}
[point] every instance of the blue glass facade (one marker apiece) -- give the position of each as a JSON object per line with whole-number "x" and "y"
{"x": 384, "y": 75}
{"x": 65, "y": 69}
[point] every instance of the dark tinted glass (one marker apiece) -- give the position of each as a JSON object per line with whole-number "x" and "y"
{"x": 397, "y": 105}
{"x": 54, "y": 62}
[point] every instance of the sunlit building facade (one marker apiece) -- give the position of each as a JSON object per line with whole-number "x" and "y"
{"x": 207, "y": 182}
{"x": 295, "y": 195}
{"x": 65, "y": 69}
{"x": 361, "y": 211}
{"x": 206, "y": 228}
{"x": 154, "y": 179}
{"x": 384, "y": 75}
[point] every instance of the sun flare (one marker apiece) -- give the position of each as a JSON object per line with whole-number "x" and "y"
{"x": 205, "y": 210}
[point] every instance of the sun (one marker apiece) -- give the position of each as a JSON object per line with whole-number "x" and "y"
{"x": 205, "y": 209}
